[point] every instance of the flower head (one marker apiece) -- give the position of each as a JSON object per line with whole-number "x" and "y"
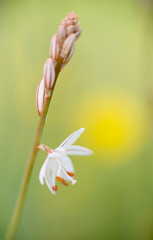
{"x": 58, "y": 165}
{"x": 61, "y": 50}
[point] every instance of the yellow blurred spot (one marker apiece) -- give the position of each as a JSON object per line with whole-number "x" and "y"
{"x": 115, "y": 124}
{"x": 111, "y": 127}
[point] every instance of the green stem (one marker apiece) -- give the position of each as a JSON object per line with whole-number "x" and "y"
{"x": 22, "y": 193}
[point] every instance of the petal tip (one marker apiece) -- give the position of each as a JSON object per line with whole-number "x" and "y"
{"x": 74, "y": 182}
{"x": 82, "y": 129}
{"x": 41, "y": 181}
{"x": 90, "y": 152}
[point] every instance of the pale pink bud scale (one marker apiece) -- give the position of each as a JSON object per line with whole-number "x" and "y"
{"x": 68, "y": 43}
{"x": 71, "y": 29}
{"x": 66, "y": 59}
{"x": 71, "y": 19}
{"x": 49, "y": 74}
{"x": 78, "y": 33}
{"x": 40, "y": 96}
{"x": 54, "y": 48}
{"x": 61, "y": 34}
{"x": 63, "y": 23}
{"x": 71, "y": 22}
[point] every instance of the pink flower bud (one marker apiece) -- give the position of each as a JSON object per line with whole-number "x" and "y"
{"x": 54, "y": 48}
{"x": 61, "y": 34}
{"x": 71, "y": 19}
{"x": 40, "y": 96}
{"x": 49, "y": 74}
{"x": 71, "y": 29}
{"x": 66, "y": 59}
{"x": 67, "y": 45}
{"x": 78, "y": 33}
{"x": 71, "y": 22}
{"x": 63, "y": 23}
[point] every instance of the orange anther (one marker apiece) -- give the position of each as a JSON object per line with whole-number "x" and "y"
{"x": 71, "y": 174}
{"x": 65, "y": 183}
{"x": 60, "y": 179}
{"x": 55, "y": 188}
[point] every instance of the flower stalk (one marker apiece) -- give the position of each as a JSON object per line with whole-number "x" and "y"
{"x": 21, "y": 197}
{"x": 61, "y": 44}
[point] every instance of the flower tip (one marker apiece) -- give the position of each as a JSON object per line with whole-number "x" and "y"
{"x": 74, "y": 182}
{"x": 42, "y": 182}
{"x": 82, "y": 129}
{"x": 54, "y": 193}
{"x": 90, "y": 152}
{"x": 41, "y": 179}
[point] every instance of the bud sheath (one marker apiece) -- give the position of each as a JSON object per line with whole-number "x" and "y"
{"x": 66, "y": 59}
{"x": 61, "y": 34}
{"x": 54, "y": 48}
{"x": 68, "y": 43}
{"x": 49, "y": 74}
{"x": 40, "y": 96}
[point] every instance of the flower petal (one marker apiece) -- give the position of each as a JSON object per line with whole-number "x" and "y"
{"x": 56, "y": 153}
{"x": 77, "y": 150}
{"x": 42, "y": 172}
{"x": 51, "y": 167}
{"x": 66, "y": 168}
{"x": 66, "y": 163}
{"x": 72, "y": 138}
{"x": 54, "y": 173}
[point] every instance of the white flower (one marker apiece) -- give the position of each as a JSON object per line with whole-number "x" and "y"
{"x": 58, "y": 165}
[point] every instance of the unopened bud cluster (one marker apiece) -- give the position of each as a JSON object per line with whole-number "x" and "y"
{"x": 68, "y": 31}
{"x": 61, "y": 47}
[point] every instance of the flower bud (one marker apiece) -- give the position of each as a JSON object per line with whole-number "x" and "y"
{"x": 61, "y": 34}
{"x": 71, "y": 29}
{"x": 40, "y": 96}
{"x": 63, "y": 23}
{"x": 67, "y": 45}
{"x": 71, "y": 22}
{"x": 49, "y": 74}
{"x": 71, "y": 19}
{"x": 54, "y": 48}
{"x": 78, "y": 33}
{"x": 66, "y": 59}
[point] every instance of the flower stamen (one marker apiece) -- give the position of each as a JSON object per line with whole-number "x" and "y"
{"x": 55, "y": 188}
{"x": 62, "y": 181}
{"x": 65, "y": 183}
{"x": 71, "y": 174}
{"x": 71, "y": 179}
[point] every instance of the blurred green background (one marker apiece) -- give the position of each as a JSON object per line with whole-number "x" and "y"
{"x": 107, "y": 87}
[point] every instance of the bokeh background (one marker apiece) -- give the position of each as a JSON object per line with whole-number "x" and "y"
{"x": 107, "y": 87}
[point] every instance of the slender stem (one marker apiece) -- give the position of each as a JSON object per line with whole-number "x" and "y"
{"x": 22, "y": 193}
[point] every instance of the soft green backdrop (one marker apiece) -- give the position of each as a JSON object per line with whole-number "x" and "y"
{"x": 106, "y": 88}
